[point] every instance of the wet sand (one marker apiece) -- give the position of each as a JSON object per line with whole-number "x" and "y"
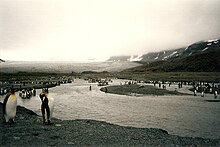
{"x": 29, "y": 131}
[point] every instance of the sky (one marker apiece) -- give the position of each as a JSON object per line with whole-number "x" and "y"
{"x": 94, "y": 30}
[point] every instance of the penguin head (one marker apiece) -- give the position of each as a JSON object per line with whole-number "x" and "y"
{"x": 12, "y": 91}
{"x": 42, "y": 94}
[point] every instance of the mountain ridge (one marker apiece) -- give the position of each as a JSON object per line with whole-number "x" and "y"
{"x": 201, "y": 56}
{"x": 172, "y": 54}
{"x": 204, "y": 62}
{"x": 2, "y": 60}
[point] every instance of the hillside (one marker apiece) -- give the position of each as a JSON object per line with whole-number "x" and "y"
{"x": 173, "y": 54}
{"x": 207, "y": 61}
{"x": 2, "y": 60}
{"x": 180, "y": 53}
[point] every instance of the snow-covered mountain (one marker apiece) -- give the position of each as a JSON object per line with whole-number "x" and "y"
{"x": 179, "y": 53}
{"x": 202, "y": 56}
{"x": 195, "y": 48}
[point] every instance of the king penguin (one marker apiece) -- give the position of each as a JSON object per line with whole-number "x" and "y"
{"x": 10, "y": 107}
{"x": 47, "y": 107}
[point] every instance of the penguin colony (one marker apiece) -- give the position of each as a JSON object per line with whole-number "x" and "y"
{"x": 10, "y": 107}
{"x": 47, "y": 106}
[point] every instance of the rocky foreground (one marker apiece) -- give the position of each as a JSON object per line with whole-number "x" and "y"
{"x": 29, "y": 131}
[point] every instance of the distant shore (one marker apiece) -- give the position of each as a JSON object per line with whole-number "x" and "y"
{"x": 29, "y": 131}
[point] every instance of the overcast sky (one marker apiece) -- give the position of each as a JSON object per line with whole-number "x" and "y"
{"x": 82, "y": 30}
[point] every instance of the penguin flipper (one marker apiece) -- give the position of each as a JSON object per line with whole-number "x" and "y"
{"x": 4, "y": 103}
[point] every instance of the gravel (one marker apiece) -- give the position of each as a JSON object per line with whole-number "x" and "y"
{"x": 29, "y": 131}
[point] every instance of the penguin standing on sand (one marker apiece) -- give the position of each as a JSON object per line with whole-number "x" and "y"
{"x": 47, "y": 106}
{"x": 10, "y": 107}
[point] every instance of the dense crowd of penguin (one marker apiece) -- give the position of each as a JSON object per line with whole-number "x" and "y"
{"x": 47, "y": 102}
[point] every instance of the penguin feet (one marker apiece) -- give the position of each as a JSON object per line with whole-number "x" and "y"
{"x": 12, "y": 121}
{"x": 6, "y": 123}
{"x": 9, "y": 122}
{"x": 47, "y": 123}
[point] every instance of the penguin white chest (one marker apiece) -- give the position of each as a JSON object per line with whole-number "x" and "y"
{"x": 11, "y": 107}
{"x": 51, "y": 105}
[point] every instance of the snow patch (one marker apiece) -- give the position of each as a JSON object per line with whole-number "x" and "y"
{"x": 173, "y": 53}
{"x": 204, "y": 49}
{"x": 188, "y": 46}
{"x": 212, "y": 40}
{"x": 209, "y": 44}
{"x": 137, "y": 58}
{"x": 164, "y": 58}
{"x": 156, "y": 58}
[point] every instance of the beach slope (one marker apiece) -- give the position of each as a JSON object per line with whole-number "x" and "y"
{"x": 29, "y": 131}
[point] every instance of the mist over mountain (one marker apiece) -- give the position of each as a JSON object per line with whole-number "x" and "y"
{"x": 201, "y": 56}
{"x": 179, "y": 53}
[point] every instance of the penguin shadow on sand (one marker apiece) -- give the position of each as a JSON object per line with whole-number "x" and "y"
{"x": 47, "y": 106}
{"x": 10, "y": 107}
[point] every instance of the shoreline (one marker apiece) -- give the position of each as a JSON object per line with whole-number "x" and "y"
{"x": 29, "y": 130}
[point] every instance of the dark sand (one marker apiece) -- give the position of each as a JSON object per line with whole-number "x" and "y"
{"x": 29, "y": 131}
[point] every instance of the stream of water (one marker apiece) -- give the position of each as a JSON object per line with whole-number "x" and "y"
{"x": 179, "y": 115}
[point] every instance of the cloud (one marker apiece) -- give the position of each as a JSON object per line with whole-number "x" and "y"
{"x": 80, "y": 30}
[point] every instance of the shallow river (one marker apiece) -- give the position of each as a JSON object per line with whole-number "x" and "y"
{"x": 179, "y": 115}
